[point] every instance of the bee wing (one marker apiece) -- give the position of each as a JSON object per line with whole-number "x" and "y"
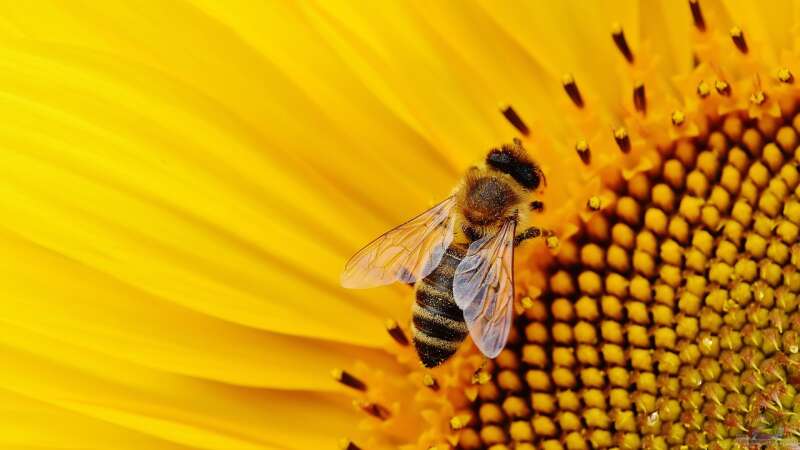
{"x": 407, "y": 253}
{"x": 483, "y": 287}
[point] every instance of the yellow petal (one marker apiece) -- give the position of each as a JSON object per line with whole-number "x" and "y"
{"x": 180, "y": 409}
{"x": 22, "y": 420}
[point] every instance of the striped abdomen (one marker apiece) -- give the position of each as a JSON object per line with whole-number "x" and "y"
{"x": 437, "y": 324}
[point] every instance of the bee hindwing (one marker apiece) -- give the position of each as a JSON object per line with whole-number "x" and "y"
{"x": 407, "y": 253}
{"x": 483, "y": 287}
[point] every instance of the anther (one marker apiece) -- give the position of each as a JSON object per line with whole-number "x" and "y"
{"x": 785, "y": 76}
{"x": 582, "y": 147}
{"x": 347, "y": 444}
{"x": 430, "y": 382}
{"x": 722, "y": 87}
{"x": 481, "y": 377}
{"x": 514, "y": 119}
{"x": 738, "y": 39}
{"x": 623, "y": 141}
{"x": 347, "y": 379}
{"x": 697, "y": 15}
{"x": 619, "y": 39}
{"x": 460, "y": 421}
{"x": 594, "y": 203}
{"x": 758, "y": 98}
{"x": 552, "y": 242}
{"x": 572, "y": 90}
{"x": 639, "y": 99}
{"x": 396, "y": 332}
{"x": 373, "y": 409}
{"x": 703, "y": 90}
{"x": 678, "y": 117}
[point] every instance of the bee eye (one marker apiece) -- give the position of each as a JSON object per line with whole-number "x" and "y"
{"x": 527, "y": 175}
{"x": 500, "y": 159}
{"x": 507, "y": 161}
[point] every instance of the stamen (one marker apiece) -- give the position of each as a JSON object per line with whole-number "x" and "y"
{"x": 697, "y": 15}
{"x": 526, "y": 302}
{"x": 430, "y": 382}
{"x": 678, "y": 118}
{"x": 460, "y": 421}
{"x": 619, "y": 39}
{"x": 703, "y": 90}
{"x": 738, "y": 39}
{"x": 758, "y": 98}
{"x": 623, "y": 141}
{"x": 594, "y": 203}
{"x": 722, "y": 87}
{"x": 582, "y": 147}
{"x": 514, "y": 119}
{"x": 373, "y": 409}
{"x": 552, "y": 242}
{"x": 785, "y": 76}
{"x": 639, "y": 99}
{"x": 396, "y": 332}
{"x": 347, "y": 444}
{"x": 481, "y": 377}
{"x": 572, "y": 90}
{"x": 348, "y": 380}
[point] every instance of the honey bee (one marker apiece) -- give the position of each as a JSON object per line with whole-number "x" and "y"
{"x": 460, "y": 256}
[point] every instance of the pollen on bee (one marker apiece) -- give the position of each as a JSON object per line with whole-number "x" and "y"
{"x": 571, "y": 88}
{"x": 514, "y": 119}
{"x": 348, "y": 379}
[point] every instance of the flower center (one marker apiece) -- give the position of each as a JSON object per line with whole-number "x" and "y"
{"x": 671, "y": 318}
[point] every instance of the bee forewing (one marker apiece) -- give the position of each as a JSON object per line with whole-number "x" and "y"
{"x": 483, "y": 287}
{"x": 407, "y": 253}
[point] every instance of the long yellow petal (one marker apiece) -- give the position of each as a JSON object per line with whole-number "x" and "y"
{"x": 179, "y": 409}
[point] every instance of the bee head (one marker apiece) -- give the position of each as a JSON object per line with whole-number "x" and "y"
{"x": 513, "y": 160}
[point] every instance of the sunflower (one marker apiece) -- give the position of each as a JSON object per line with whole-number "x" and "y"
{"x": 182, "y": 182}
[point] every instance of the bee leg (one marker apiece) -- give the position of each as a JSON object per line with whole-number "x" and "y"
{"x": 530, "y": 233}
